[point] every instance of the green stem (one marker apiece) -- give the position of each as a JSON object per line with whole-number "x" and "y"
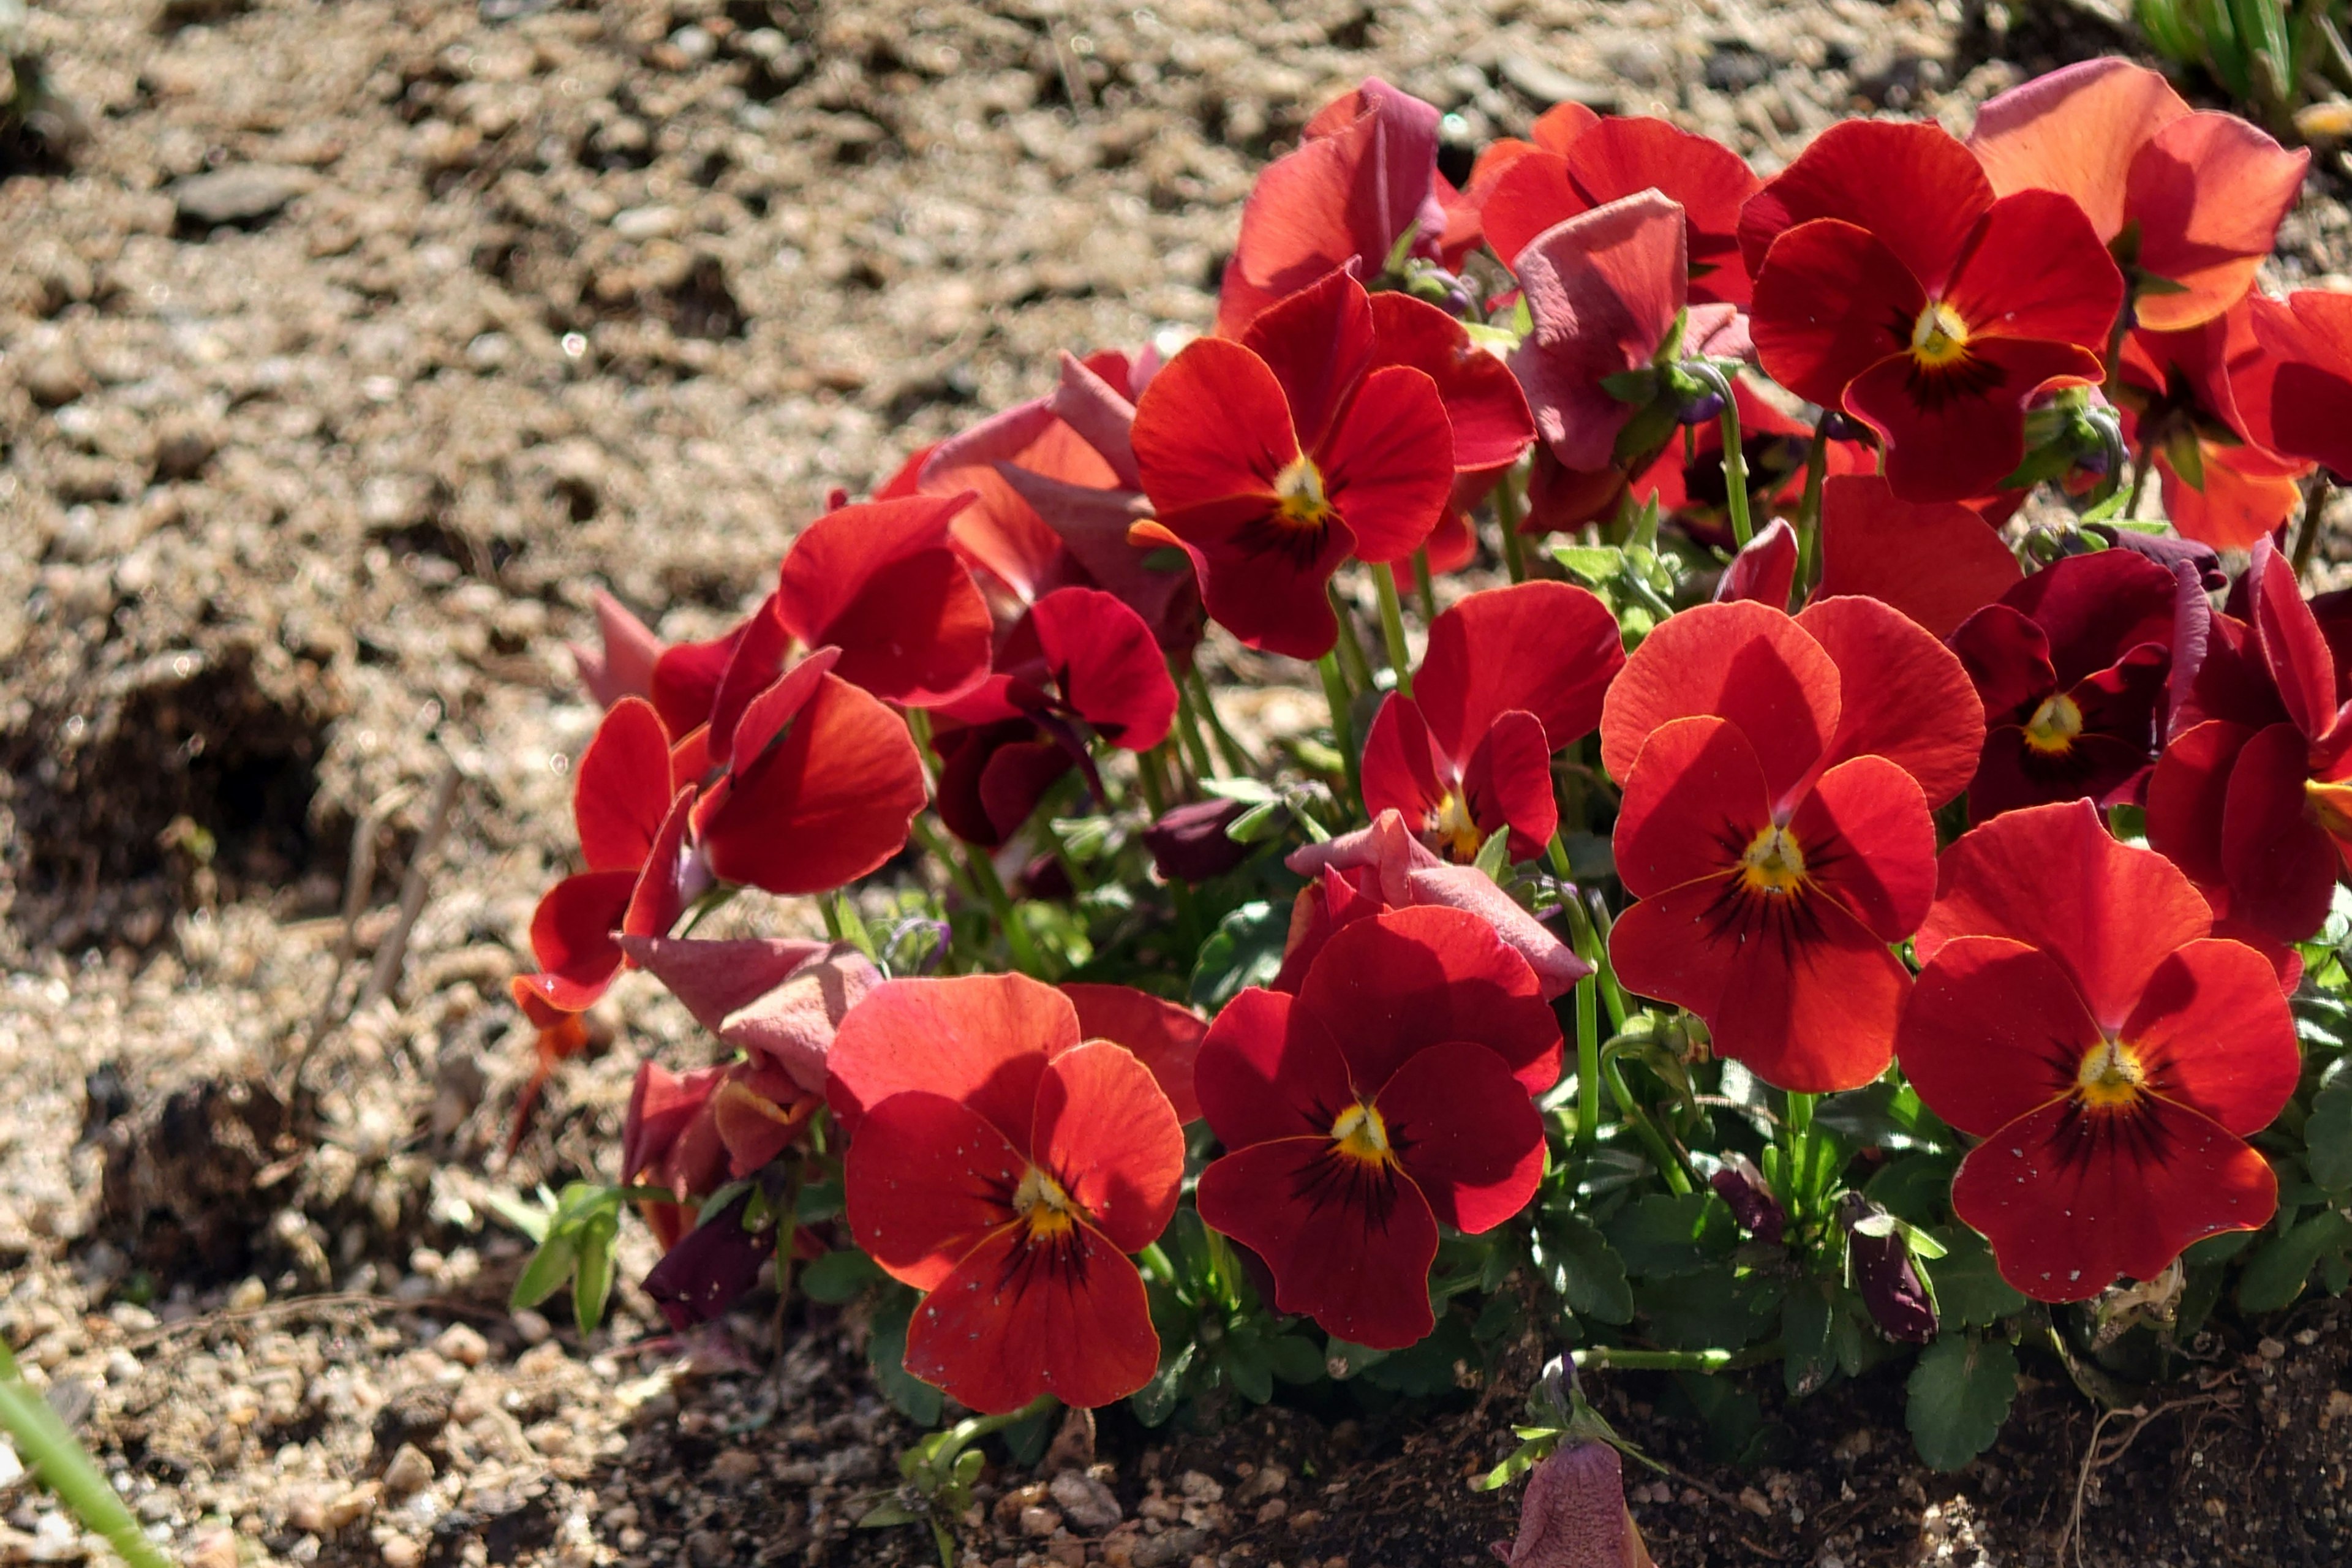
{"x": 944, "y": 852}
{"x": 2140, "y": 481}
{"x": 1735, "y": 461}
{"x": 1336, "y": 696}
{"x": 1393, "y": 629}
{"x": 1588, "y": 1017}
{"x": 1594, "y": 915}
{"x": 973, "y": 1428}
{"x": 2307, "y": 540}
{"x": 830, "y": 908}
{"x": 1661, "y": 1153}
{"x": 50, "y": 1451}
{"x": 1188, "y": 732}
{"x": 1507, "y": 512}
{"x": 1598, "y": 1358}
{"x": 1236, "y": 755}
{"x": 1809, "y": 510}
{"x": 1351, "y": 650}
{"x": 1421, "y": 586}
{"x": 1146, "y": 776}
{"x": 1000, "y": 904}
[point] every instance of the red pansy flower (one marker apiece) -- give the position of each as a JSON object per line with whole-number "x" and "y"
{"x": 1384, "y": 866}
{"x": 1612, "y": 159}
{"x": 1389, "y": 1097}
{"x": 1937, "y": 562}
{"x": 1162, "y": 1035}
{"x": 2185, "y": 201}
{"x": 1891, "y": 283}
{"x": 1778, "y": 774}
{"x": 1511, "y": 675}
{"x": 2304, "y": 397}
{"x": 1606, "y": 291}
{"x": 1006, "y": 1168}
{"x": 1364, "y": 177}
{"x": 1272, "y": 459}
{"x": 778, "y": 1001}
{"x": 2255, "y": 804}
{"x": 2077, "y": 1016}
{"x": 2192, "y": 399}
{"x": 1078, "y": 665}
{"x": 1555, "y": 130}
{"x": 2071, "y": 665}
{"x": 1054, "y": 491}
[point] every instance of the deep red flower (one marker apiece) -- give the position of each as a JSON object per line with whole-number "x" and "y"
{"x": 1778, "y": 774}
{"x": 2193, "y": 399}
{"x": 1389, "y": 1097}
{"x": 778, "y": 1001}
{"x": 2075, "y": 1014}
{"x": 1605, "y": 290}
{"x": 1937, "y": 562}
{"x": 1384, "y": 866}
{"x": 1272, "y": 459}
{"x": 2255, "y": 803}
{"x": 1891, "y": 283}
{"x": 1006, "y": 1168}
{"x": 1615, "y": 158}
{"x": 1764, "y": 570}
{"x": 2307, "y": 409}
{"x": 2189, "y": 203}
{"x": 1079, "y": 664}
{"x": 2071, "y": 665}
{"x": 1511, "y": 675}
{"x": 1364, "y": 177}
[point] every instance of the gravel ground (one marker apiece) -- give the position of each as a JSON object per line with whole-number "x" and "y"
{"x": 356, "y": 346}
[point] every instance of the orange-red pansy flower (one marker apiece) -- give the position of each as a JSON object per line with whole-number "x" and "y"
{"x": 1891, "y": 282}
{"x": 2194, "y": 401}
{"x": 2077, "y": 1014}
{"x": 2189, "y": 203}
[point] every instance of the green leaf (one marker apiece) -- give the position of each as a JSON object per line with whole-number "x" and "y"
{"x": 592, "y": 1284}
{"x": 1596, "y": 563}
{"x": 1426, "y": 1369}
{"x": 1245, "y": 950}
{"x": 1960, "y": 1394}
{"x": 838, "y": 1277}
{"x": 1155, "y": 1401}
{"x": 886, "y": 1354}
{"x": 2275, "y": 1275}
{"x": 1969, "y": 1291}
{"x": 883, "y": 1515}
{"x": 1919, "y": 1188}
{"x": 529, "y": 1218}
{"x": 2327, "y": 1138}
{"x": 1294, "y": 1359}
{"x": 1715, "y": 1308}
{"x": 1495, "y": 855}
{"x": 1582, "y": 1269}
{"x": 1809, "y": 1357}
{"x": 1343, "y": 1360}
{"x": 550, "y": 1267}
{"x": 1733, "y": 1416}
{"x": 1669, "y": 1234}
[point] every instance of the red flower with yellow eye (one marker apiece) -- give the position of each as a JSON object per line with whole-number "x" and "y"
{"x": 1006, "y": 1167}
{"x": 2189, "y": 203}
{"x": 1272, "y": 459}
{"x": 1390, "y": 1096}
{"x": 1778, "y": 774}
{"x": 2198, "y": 401}
{"x": 1512, "y": 675}
{"x": 2077, "y": 1014}
{"x": 1891, "y": 283}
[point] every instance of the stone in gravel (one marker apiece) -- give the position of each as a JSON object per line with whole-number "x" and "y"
{"x": 1174, "y": 1546}
{"x": 182, "y": 450}
{"x": 734, "y": 1467}
{"x": 216, "y": 1550}
{"x": 532, "y": 1327}
{"x": 1085, "y": 1501}
{"x": 241, "y": 195}
{"x": 410, "y": 1471}
{"x": 707, "y": 1549}
{"x": 1039, "y": 1521}
{"x": 1547, "y": 86}
{"x": 399, "y": 1552}
{"x": 1267, "y": 1481}
{"x": 464, "y": 1345}
{"x": 54, "y": 379}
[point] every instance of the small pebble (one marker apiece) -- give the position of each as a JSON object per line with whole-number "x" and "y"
{"x": 462, "y": 1344}
{"x": 216, "y": 1550}
{"x": 248, "y": 1294}
{"x": 410, "y": 1471}
{"x": 355, "y": 1505}
{"x": 1040, "y": 1521}
{"x": 533, "y": 1327}
{"x": 734, "y": 1467}
{"x": 399, "y": 1552}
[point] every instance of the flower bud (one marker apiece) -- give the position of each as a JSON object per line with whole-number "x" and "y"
{"x": 1884, "y": 1274}
{"x": 1749, "y": 1197}
{"x": 1189, "y": 844}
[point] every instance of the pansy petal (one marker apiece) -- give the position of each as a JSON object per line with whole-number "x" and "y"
{"x": 980, "y": 1039}
{"x": 1693, "y": 804}
{"x": 2214, "y": 1033}
{"x": 1959, "y": 433}
{"x": 1869, "y": 842}
{"x": 926, "y": 1178}
{"x": 1400, "y": 771}
{"x": 1466, "y": 1132}
{"x": 2051, "y": 877}
{"x": 1108, "y": 1135}
{"x": 1603, "y": 289}
{"x": 2036, "y": 269}
{"x": 1389, "y": 463}
{"x": 1747, "y": 663}
{"x": 1165, "y": 1037}
{"x": 1507, "y": 783}
{"x": 878, "y": 581}
{"x": 2310, "y": 402}
{"x": 1934, "y": 561}
{"x": 2281, "y": 868}
{"x": 1389, "y": 986}
{"x": 572, "y": 936}
{"x": 1904, "y": 695}
{"x": 1911, "y": 184}
{"x": 1319, "y": 342}
{"x": 1348, "y": 1243}
{"x": 1833, "y": 300}
{"x": 2075, "y": 131}
{"x": 1266, "y": 1071}
{"x": 1020, "y": 1316}
{"x": 1529, "y": 196}
{"x": 1622, "y": 156}
{"x": 1550, "y": 648}
{"x": 1764, "y": 570}
{"x": 2208, "y": 192}
{"x": 622, "y": 787}
{"x": 1213, "y": 426}
{"x": 2071, "y": 1198}
{"x": 1994, "y": 1030}
{"x": 2188, "y": 797}
{"x": 2093, "y": 609}
{"x": 1484, "y": 404}
{"x": 2301, "y": 665}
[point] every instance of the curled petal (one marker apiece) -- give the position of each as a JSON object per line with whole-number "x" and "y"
{"x": 2280, "y": 865}
{"x": 1764, "y": 570}
{"x": 878, "y": 582}
{"x": 2188, "y": 795}
{"x": 1390, "y": 464}
{"x": 2208, "y": 190}
{"x": 2076, "y": 131}
{"x": 1550, "y": 648}
{"x": 622, "y": 790}
{"x": 573, "y": 937}
{"x": 2295, "y": 650}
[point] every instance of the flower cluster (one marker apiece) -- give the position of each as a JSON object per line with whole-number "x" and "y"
{"x": 1956, "y": 809}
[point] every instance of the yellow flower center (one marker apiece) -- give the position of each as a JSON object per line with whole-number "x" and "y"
{"x": 1938, "y": 337}
{"x": 2330, "y": 806}
{"x": 1362, "y": 1135}
{"x": 1041, "y": 1202}
{"x": 1773, "y": 863}
{"x": 1299, "y": 500}
{"x": 2054, "y": 725}
{"x": 1454, "y": 830}
{"x": 2110, "y": 1077}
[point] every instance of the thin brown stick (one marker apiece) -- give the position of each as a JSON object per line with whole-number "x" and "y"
{"x": 358, "y": 878}
{"x": 393, "y": 952}
{"x": 2094, "y": 1460}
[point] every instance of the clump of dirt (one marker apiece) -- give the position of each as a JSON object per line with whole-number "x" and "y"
{"x": 188, "y": 1183}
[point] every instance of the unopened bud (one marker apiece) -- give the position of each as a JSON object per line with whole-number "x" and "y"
{"x": 1884, "y": 1274}
{"x": 1189, "y": 844}
{"x": 1743, "y": 1189}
